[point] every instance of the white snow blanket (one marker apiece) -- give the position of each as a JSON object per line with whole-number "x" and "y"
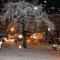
{"x": 0, "y": 44}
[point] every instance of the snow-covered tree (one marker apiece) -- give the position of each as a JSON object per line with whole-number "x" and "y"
{"x": 24, "y": 16}
{"x": 21, "y": 14}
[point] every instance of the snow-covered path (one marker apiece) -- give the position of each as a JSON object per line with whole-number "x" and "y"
{"x": 12, "y": 52}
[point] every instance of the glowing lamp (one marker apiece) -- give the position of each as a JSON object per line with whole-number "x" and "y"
{"x": 54, "y": 45}
{"x": 35, "y": 8}
{"x": 12, "y": 29}
{"x": 49, "y": 29}
{"x": 20, "y": 46}
{"x": 45, "y": 1}
{"x": 28, "y": 41}
{"x": 20, "y": 36}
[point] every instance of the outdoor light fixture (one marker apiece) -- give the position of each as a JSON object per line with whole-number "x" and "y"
{"x": 35, "y": 8}
{"x": 45, "y": 1}
{"x": 54, "y": 45}
{"x": 12, "y": 29}
{"x": 20, "y": 46}
{"x": 49, "y": 29}
{"x": 20, "y": 36}
{"x": 28, "y": 41}
{"x": 34, "y": 36}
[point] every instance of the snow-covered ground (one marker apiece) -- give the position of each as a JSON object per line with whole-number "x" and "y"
{"x": 13, "y": 52}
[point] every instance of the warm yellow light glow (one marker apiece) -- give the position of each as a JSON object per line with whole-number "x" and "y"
{"x": 12, "y": 29}
{"x": 20, "y": 36}
{"x": 54, "y": 45}
{"x": 28, "y": 41}
{"x": 34, "y": 37}
{"x": 5, "y": 39}
{"x": 9, "y": 40}
{"x": 37, "y": 36}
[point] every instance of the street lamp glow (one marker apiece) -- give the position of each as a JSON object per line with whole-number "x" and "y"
{"x": 12, "y": 29}
{"x": 54, "y": 45}
{"x": 45, "y": 1}
{"x": 20, "y": 46}
{"x": 49, "y": 29}
{"x": 34, "y": 36}
{"x": 28, "y": 41}
{"x": 35, "y": 8}
{"x": 20, "y": 36}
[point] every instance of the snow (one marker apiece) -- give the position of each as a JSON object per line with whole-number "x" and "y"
{"x": 0, "y": 44}
{"x": 12, "y": 52}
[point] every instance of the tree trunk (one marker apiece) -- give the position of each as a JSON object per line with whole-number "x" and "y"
{"x": 24, "y": 42}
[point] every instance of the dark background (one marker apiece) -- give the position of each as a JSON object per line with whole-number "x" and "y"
{"x": 51, "y": 6}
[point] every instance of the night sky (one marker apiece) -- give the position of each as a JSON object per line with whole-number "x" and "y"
{"x": 51, "y": 6}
